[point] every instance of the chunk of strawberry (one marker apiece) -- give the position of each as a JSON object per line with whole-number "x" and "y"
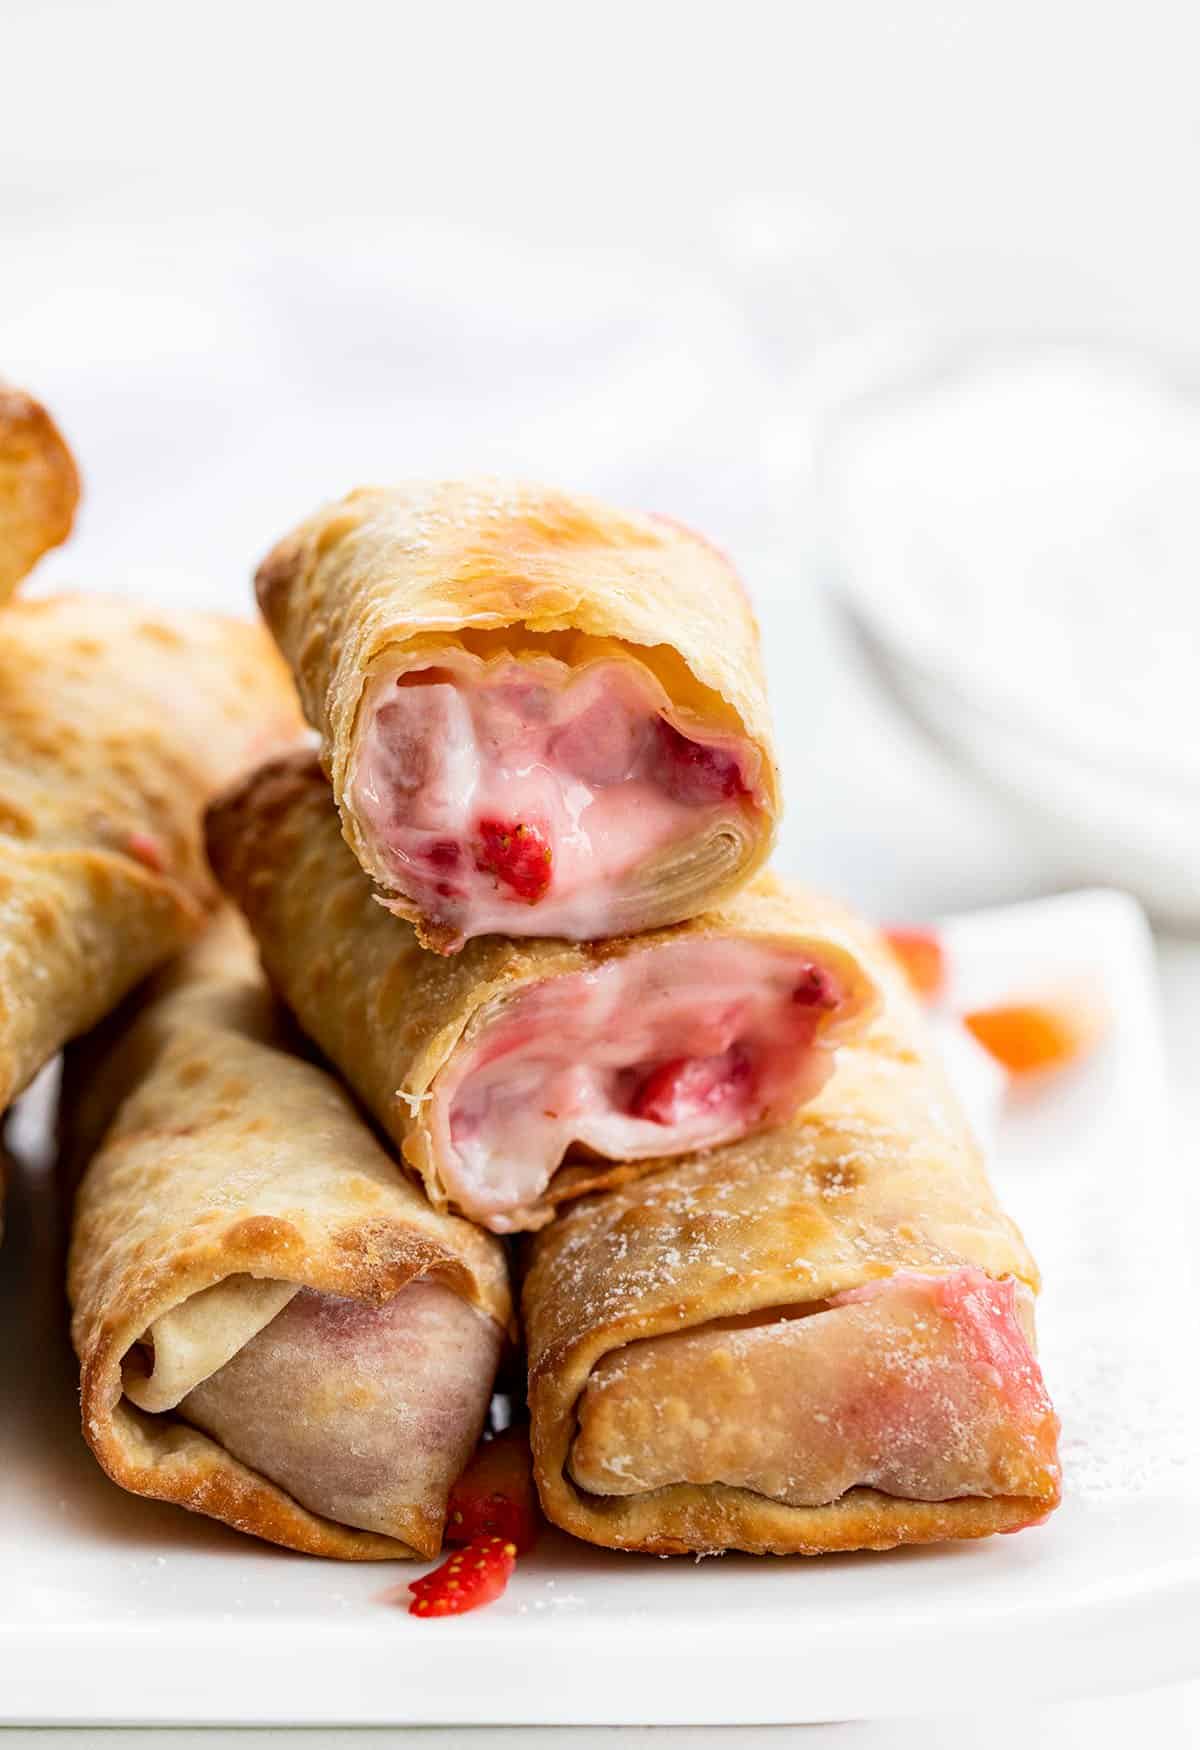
{"x": 686, "y": 1087}
{"x": 815, "y": 989}
{"x": 921, "y": 954}
{"x": 518, "y": 855}
{"x": 473, "y": 1576}
{"x": 494, "y": 1497}
{"x": 444, "y": 854}
{"x": 147, "y": 850}
{"x": 692, "y": 772}
{"x": 1035, "y": 1037}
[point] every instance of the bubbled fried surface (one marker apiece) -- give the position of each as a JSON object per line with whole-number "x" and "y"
{"x": 878, "y": 1174}
{"x": 432, "y": 562}
{"x": 39, "y": 486}
{"x": 390, "y": 1015}
{"x": 224, "y": 1154}
{"x": 116, "y": 725}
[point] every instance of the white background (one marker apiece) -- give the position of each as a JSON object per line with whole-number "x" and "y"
{"x": 1035, "y": 158}
{"x": 252, "y": 253}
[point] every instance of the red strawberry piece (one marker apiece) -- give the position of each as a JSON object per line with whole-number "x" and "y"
{"x": 517, "y": 855}
{"x": 444, "y": 854}
{"x": 922, "y": 956}
{"x": 494, "y": 1497}
{"x": 815, "y": 989}
{"x": 147, "y": 850}
{"x": 684, "y": 1087}
{"x": 473, "y": 1576}
{"x": 692, "y": 772}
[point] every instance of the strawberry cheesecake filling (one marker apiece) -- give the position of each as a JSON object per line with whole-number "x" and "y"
{"x": 924, "y": 1387}
{"x": 524, "y": 796}
{"x": 692, "y": 1042}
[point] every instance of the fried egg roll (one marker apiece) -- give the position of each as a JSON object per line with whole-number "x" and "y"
{"x": 493, "y": 1068}
{"x": 273, "y": 1326}
{"x": 816, "y": 1339}
{"x": 39, "y": 486}
{"x": 540, "y": 716}
{"x": 116, "y": 726}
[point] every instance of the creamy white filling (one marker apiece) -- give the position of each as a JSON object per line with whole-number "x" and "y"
{"x": 686, "y": 1044}
{"x": 522, "y": 795}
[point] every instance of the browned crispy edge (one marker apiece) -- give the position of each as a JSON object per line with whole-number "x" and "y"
{"x": 31, "y": 444}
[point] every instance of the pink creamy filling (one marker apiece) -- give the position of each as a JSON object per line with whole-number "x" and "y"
{"x": 924, "y": 1387}
{"x": 523, "y": 796}
{"x": 684, "y": 1045}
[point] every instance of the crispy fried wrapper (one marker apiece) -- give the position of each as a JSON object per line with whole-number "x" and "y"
{"x": 39, "y": 486}
{"x": 274, "y": 1327}
{"x": 816, "y": 1339}
{"x": 490, "y": 1068}
{"x": 117, "y": 723}
{"x": 528, "y": 600}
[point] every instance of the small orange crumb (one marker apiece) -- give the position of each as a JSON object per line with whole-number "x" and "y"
{"x": 1030, "y": 1038}
{"x": 921, "y": 954}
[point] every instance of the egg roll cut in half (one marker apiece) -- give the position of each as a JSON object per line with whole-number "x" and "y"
{"x": 274, "y": 1327}
{"x": 491, "y": 1069}
{"x": 39, "y": 486}
{"x": 540, "y": 716}
{"x": 816, "y": 1339}
{"x": 116, "y": 726}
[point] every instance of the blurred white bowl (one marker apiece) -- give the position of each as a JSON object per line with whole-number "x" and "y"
{"x": 1014, "y": 527}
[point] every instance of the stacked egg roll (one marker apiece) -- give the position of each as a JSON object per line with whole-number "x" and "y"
{"x": 492, "y": 1070}
{"x": 540, "y": 716}
{"x": 39, "y": 486}
{"x": 819, "y": 1338}
{"x": 770, "y": 1300}
{"x": 116, "y": 726}
{"x": 274, "y": 1327}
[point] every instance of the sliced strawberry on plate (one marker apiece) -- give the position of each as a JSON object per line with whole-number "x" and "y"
{"x": 473, "y": 1576}
{"x": 921, "y": 954}
{"x": 1030, "y": 1038}
{"x": 518, "y": 855}
{"x": 494, "y": 1497}
{"x": 692, "y": 772}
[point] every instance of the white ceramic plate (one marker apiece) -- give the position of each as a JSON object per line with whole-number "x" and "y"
{"x": 116, "y": 1610}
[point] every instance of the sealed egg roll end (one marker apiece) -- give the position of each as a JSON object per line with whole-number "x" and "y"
{"x": 237, "y": 1211}
{"x": 869, "y": 1221}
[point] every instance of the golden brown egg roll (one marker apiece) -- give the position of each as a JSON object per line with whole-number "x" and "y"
{"x": 117, "y": 723}
{"x": 39, "y": 486}
{"x": 274, "y": 1328}
{"x": 541, "y": 716}
{"x": 816, "y": 1339}
{"x": 489, "y": 1068}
